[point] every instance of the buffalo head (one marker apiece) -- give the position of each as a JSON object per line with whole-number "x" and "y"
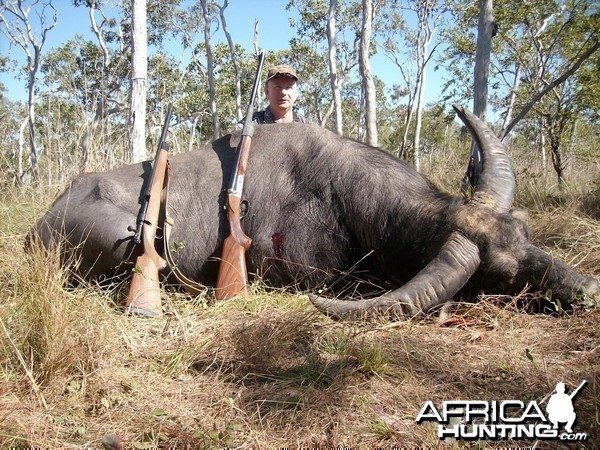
{"x": 488, "y": 247}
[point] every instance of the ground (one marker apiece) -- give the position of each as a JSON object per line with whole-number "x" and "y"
{"x": 268, "y": 371}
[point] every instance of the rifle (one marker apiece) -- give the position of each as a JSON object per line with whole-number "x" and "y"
{"x": 233, "y": 277}
{"x": 576, "y": 391}
{"x": 144, "y": 292}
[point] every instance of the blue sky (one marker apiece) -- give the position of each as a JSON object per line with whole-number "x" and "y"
{"x": 274, "y": 34}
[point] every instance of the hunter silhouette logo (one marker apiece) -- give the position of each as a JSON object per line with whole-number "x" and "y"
{"x": 507, "y": 419}
{"x": 560, "y": 407}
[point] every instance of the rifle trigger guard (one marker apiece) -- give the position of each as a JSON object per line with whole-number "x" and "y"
{"x": 244, "y": 207}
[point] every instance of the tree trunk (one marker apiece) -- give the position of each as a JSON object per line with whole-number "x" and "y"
{"x": 541, "y": 127}
{"x": 323, "y": 120}
{"x": 139, "y": 79}
{"x": 101, "y": 102}
{"x": 486, "y": 29}
{"x": 86, "y": 141}
{"x": 366, "y": 76}
{"x": 512, "y": 97}
{"x": 548, "y": 87}
{"x": 333, "y": 75}
{"x": 557, "y": 161}
{"x": 211, "y": 71}
{"x": 24, "y": 36}
{"x": 234, "y": 60}
{"x": 424, "y": 40}
{"x": 427, "y": 28}
{"x": 31, "y": 117}
{"x": 20, "y": 172}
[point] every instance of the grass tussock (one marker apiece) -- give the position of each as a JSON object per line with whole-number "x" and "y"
{"x": 267, "y": 371}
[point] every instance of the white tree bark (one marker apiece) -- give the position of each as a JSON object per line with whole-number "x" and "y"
{"x": 101, "y": 101}
{"x": 211, "y": 71}
{"x": 366, "y": 76}
{"x": 21, "y": 33}
{"x": 20, "y": 172}
{"x": 419, "y": 116}
{"x": 486, "y": 29}
{"x": 425, "y": 34}
{"x": 512, "y": 97}
{"x": 333, "y": 75}
{"x": 234, "y": 60}
{"x": 139, "y": 81}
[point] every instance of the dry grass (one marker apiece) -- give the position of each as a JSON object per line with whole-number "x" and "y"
{"x": 267, "y": 371}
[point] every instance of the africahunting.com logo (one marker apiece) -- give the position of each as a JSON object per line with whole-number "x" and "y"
{"x": 507, "y": 419}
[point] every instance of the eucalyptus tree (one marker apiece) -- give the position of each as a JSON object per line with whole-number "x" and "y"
{"x": 239, "y": 113}
{"x": 408, "y": 36}
{"x": 397, "y": 41}
{"x": 557, "y": 40}
{"x": 208, "y": 15}
{"x": 561, "y": 39}
{"x": 11, "y": 166}
{"x": 538, "y": 47}
{"x": 325, "y": 27}
{"x": 306, "y": 55}
{"x": 486, "y": 30}
{"x": 332, "y": 61}
{"x": 164, "y": 88}
{"x": 122, "y": 49}
{"x": 194, "y": 29}
{"x": 225, "y": 81}
{"x": 106, "y": 102}
{"x": 193, "y": 105}
{"x": 19, "y": 29}
{"x": 315, "y": 99}
{"x": 368, "y": 85}
{"x": 99, "y": 79}
{"x": 139, "y": 80}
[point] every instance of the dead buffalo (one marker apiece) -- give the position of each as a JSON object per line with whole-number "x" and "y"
{"x": 324, "y": 211}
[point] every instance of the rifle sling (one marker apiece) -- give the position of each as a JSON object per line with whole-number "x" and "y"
{"x": 192, "y": 287}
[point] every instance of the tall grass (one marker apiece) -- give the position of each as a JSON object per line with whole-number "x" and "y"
{"x": 267, "y": 371}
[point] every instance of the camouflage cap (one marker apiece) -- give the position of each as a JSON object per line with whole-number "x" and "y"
{"x": 282, "y": 70}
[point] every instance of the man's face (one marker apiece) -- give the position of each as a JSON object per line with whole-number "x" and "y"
{"x": 281, "y": 92}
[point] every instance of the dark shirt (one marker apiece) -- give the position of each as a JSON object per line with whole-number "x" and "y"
{"x": 266, "y": 116}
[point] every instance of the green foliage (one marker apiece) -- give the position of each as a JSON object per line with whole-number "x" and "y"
{"x": 535, "y": 44}
{"x": 83, "y": 93}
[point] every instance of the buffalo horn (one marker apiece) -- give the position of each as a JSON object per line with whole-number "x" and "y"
{"x": 458, "y": 258}
{"x": 496, "y": 186}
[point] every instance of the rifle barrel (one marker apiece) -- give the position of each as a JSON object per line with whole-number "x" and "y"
{"x": 576, "y": 391}
{"x": 165, "y": 129}
{"x": 162, "y": 145}
{"x": 247, "y": 131}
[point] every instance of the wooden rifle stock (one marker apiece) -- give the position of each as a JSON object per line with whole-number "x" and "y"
{"x": 144, "y": 292}
{"x": 232, "y": 279}
{"x": 233, "y": 275}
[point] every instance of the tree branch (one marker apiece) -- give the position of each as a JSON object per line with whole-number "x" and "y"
{"x": 537, "y": 97}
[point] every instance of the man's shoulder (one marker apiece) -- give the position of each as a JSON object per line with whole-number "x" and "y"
{"x": 266, "y": 116}
{"x": 259, "y": 116}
